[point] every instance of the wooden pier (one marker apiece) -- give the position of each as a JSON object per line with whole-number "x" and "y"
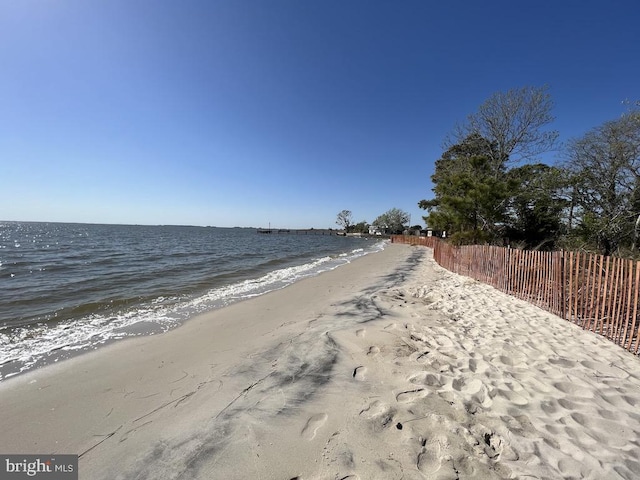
{"x": 300, "y": 231}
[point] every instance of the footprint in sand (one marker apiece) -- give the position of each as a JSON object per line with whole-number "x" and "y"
{"x": 482, "y": 397}
{"x": 411, "y": 395}
{"x": 600, "y": 369}
{"x": 588, "y": 420}
{"x": 425, "y": 378}
{"x": 610, "y": 415}
{"x": 554, "y": 430}
{"x": 513, "y": 397}
{"x": 511, "y": 361}
{"x": 562, "y": 362}
{"x": 493, "y": 445}
{"x": 571, "y": 468}
{"x": 443, "y": 341}
{"x": 581, "y": 438}
{"x": 361, "y": 332}
{"x": 551, "y": 406}
{"x": 478, "y": 366}
{"x": 467, "y": 386}
{"x": 614, "y": 398}
{"x": 599, "y": 429}
{"x": 378, "y": 409}
{"x": 572, "y": 389}
{"x": 430, "y": 459}
{"x": 373, "y": 351}
{"x": 313, "y": 424}
{"x": 417, "y": 377}
{"x": 567, "y": 404}
{"x": 359, "y": 373}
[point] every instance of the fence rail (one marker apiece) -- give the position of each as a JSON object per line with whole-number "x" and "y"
{"x": 598, "y": 293}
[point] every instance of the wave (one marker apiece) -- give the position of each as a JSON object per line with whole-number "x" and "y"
{"x": 25, "y": 347}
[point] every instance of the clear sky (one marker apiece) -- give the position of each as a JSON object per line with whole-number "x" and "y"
{"x": 250, "y": 112}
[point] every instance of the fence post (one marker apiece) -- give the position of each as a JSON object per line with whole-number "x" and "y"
{"x": 577, "y": 314}
{"x": 621, "y": 335}
{"x": 563, "y": 286}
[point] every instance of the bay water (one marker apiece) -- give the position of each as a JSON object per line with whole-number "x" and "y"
{"x": 68, "y": 288}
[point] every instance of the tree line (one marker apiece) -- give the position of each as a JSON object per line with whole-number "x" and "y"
{"x": 392, "y": 221}
{"x": 490, "y": 187}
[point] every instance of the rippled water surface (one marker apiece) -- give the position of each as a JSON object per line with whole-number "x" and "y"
{"x": 65, "y": 287}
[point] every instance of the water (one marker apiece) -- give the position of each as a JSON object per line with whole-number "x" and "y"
{"x": 66, "y": 288}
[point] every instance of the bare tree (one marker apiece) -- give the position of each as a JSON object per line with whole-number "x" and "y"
{"x": 513, "y": 123}
{"x": 344, "y": 219}
{"x": 605, "y": 164}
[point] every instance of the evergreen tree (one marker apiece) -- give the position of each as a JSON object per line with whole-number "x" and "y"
{"x": 536, "y": 206}
{"x": 477, "y": 199}
{"x": 471, "y": 193}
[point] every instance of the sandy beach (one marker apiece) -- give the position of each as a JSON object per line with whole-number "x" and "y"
{"x": 387, "y": 368}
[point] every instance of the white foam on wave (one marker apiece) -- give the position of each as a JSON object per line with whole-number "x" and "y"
{"x": 25, "y": 347}
{"x": 259, "y": 286}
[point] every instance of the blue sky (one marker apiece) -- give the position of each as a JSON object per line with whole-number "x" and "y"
{"x": 247, "y": 112}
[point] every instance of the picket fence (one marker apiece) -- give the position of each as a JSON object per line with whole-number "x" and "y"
{"x": 598, "y": 293}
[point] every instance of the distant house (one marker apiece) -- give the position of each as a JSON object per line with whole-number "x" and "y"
{"x": 435, "y": 233}
{"x": 375, "y": 230}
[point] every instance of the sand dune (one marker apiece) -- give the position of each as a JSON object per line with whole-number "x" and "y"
{"x": 388, "y": 368}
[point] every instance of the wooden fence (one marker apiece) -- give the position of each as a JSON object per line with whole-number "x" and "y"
{"x": 598, "y": 293}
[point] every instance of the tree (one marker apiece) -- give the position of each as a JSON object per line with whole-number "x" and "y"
{"x": 471, "y": 182}
{"x": 536, "y": 206}
{"x": 605, "y": 165}
{"x": 344, "y": 219}
{"x": 360, "y": 227}
{"x": 471, "y": 192}
{"x": 393, "y": 220}
{"x": 513, "y": 125}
